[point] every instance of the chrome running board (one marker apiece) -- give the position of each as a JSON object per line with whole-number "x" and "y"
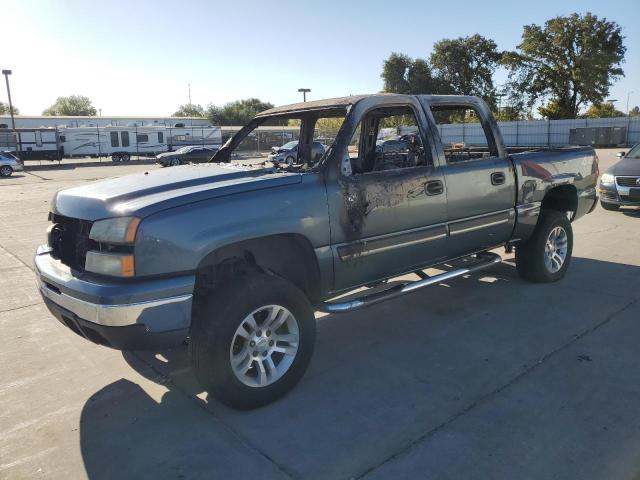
{"x": 485, "y": 260}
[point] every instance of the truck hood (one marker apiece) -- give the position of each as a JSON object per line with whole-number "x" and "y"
{"x": 146, "y": 193}
{"x": 626, "y": 166}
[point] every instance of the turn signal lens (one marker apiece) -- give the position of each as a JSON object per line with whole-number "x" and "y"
{"x": 112, "y": 264}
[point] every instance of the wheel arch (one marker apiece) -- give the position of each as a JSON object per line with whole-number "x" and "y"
{"x": 288, "y": 255}
{"x": 562, "y": 198}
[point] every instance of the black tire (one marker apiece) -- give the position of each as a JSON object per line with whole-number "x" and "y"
{"x": 530, "y": 255}
{"x": 289, "y": 160}
{"x": 126, "y": 157}
{"x": 6, "y": 171}
{"x": 612, "y": 207}
{"x": 175, "y": 162}
{"x": 216, "y": 318}
{"x": 116, "y": 157}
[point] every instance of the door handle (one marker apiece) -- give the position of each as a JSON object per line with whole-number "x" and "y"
{"x": 498, "y": 178}
{"x": 434, "y": 187}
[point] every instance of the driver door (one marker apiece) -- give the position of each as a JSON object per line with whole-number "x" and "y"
{"x": 388, "y": 211}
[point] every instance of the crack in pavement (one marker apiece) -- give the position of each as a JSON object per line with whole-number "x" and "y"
{"x": 19, "y": 308}
{"x": 16, "y": 257}
{"x": 487, "y": 397}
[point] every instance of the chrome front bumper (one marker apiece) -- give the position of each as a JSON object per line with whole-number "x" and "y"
{"x": 157, "y": 305}
{"x": 121, "y": 315}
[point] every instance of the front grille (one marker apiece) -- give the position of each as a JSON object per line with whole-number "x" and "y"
{"x": 69, "y": 240}
{"x": 628, "y": 181}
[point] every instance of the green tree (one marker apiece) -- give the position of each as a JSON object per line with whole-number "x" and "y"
{"x": 635, "y": 112}
{"x": 236, "y": 113}
{"x": 403, "y": 74}
{"x": 603, "y": 110}
{"x": 190, "y": 110}
{"x": 466, "y": 65}
{"x": 4, "y": 109}
{"x": 74, "y": 105}
{"x": 568, "y": 63}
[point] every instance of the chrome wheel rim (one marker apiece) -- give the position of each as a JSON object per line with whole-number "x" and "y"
{"x": 556, "y": 249}
{"x": 264, "y": 346}
{"x": 5, "y": 171}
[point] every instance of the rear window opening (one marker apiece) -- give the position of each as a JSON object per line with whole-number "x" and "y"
{"x": 464, "y": 136}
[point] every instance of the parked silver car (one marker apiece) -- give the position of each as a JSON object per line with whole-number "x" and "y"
{"x": 288, "y": 153}
{"x": 9, "y": 163}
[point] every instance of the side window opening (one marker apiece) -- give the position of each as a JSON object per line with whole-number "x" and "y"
{"x": 114, "y": 139}
{"x": 387, "y": 139}
{"x": 125, "y": 138}
{"x": 142, "y": 138}
{"x": 160, "y": 137}
{"x": 464, "y": 136}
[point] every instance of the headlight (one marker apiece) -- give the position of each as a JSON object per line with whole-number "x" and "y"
{"x": 607, "y": 179}
{"x": 120, "y": 230}
{"x": 112, "y": 264}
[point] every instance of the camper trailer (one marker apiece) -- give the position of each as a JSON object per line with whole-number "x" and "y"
{"x": 117, "y": 142}
{"x": 120, "y": 143}
{"x": 32, "y": 143}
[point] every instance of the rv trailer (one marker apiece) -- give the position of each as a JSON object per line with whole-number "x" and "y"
{"x": 122, "y": 142}
{"x": 32, "y": 143}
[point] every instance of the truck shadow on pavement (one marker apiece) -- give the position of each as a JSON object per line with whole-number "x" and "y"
{"x": 381, "y": 379}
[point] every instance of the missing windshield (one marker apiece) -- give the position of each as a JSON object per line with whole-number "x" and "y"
{"x": 298, "y": 140}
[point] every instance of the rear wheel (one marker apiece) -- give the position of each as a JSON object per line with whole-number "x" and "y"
{"x": 545, "y": 257}
{"x": 612, "y": 207}
{"x": 125, "y": 157}
{"x": 252, "y": 340}
{"x": 289, "y": 161}
{"x": 6, "y": 171}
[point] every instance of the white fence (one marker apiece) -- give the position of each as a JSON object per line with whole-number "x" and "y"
{"x": 538, "y": 132}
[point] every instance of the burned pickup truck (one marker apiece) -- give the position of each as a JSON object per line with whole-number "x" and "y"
{"x": 235, "y": 257}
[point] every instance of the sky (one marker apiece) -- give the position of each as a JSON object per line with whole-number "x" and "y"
{"x": 138, "y": 57}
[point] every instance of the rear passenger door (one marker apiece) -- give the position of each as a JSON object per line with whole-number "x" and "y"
{"x": 479, "y": 177}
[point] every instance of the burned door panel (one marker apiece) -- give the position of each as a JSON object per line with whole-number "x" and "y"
{"x": 385, "y": 223}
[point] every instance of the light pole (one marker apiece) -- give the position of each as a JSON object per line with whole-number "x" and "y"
{"x": 628, "y": 95}
{"x": 6, "y": 74}
{"x": 304, "y": 93}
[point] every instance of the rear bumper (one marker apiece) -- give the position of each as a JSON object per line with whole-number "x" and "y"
{"x": 141, "y": 315}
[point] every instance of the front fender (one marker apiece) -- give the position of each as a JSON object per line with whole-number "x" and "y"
{"x": 178, "y": 239}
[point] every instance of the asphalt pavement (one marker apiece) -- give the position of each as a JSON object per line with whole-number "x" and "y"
{"x": 485, "y": 376}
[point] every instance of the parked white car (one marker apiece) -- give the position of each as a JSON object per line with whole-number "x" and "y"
{"x": 9, "y": 163}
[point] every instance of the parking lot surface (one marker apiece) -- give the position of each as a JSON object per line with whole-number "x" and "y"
{"x": 482, "y": 377}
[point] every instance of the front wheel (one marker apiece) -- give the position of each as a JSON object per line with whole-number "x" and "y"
{"x": 252, "y": 340}
{"x": 545, "y": 257}
{"x": 174, "y": 162}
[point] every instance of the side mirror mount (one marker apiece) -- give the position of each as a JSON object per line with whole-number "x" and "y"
{"x": 620, "y": 154}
